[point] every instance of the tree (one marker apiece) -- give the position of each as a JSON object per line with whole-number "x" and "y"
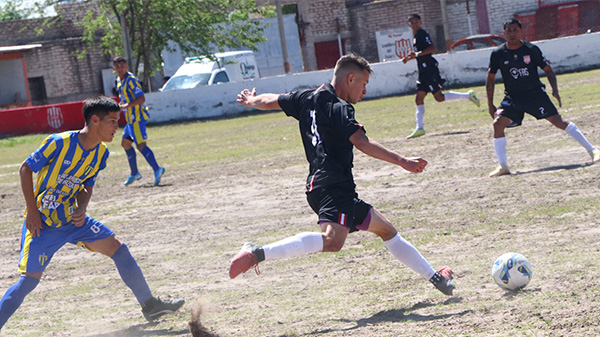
{"x": 11, "y": 10}
{"x": 198, "y": 27}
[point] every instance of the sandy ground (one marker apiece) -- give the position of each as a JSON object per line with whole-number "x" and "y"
{"x": 184, "y": 232}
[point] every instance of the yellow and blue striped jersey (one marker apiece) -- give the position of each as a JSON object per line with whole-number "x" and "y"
{"x": 129, "y": 89}
{"x": 63, "y": 168}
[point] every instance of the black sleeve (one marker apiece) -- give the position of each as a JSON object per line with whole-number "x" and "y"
{"x": 292, "y": 102}
{"x": 538, "y": 57}
{"x": 493, "y": 67}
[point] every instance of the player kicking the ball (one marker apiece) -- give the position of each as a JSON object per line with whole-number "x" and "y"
{"x": 67, "y": 165}
{"x": 518, "y": 62}
{"x": 329, "y": 134}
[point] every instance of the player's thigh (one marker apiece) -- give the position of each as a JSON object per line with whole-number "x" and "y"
{"x": 334, "y": 236}
{"x": 37, "y": 252}
{"x": 381, "y": 226}
{"x": 542, "y": 107}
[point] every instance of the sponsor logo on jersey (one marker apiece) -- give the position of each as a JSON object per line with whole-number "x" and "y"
{"x": 66, "y": 162}
{"x": 519, "y": 72}
{"x": 527, "y": 59}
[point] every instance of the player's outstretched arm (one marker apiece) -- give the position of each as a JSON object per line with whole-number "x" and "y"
{"x": 249, "y": 99}
{"x": 378, "y": 151}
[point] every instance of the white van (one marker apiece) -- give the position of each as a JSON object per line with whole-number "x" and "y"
{"x": 229, "y": 66}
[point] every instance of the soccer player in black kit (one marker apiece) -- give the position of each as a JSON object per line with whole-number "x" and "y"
{"x": 518, "y": 62}
{"x": 329, "y": 133}
{"x": 430, "y": 79}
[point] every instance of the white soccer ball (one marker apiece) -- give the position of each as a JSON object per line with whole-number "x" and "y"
{"x": 511, "y": 271}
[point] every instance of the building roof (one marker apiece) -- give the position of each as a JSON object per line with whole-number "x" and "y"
{"x": 18, "y": 49}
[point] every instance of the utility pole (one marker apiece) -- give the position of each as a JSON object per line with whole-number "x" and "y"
{"x": 125, "y": 38}
{"x": 286, "y": 61}
{"x": 445, "y": 23}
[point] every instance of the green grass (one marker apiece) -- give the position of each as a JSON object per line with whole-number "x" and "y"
{"x": 242, "y": 179}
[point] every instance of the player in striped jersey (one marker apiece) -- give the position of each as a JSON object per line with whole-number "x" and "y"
{"x": 136, "y": 113}
{"x": 67, "y": 165}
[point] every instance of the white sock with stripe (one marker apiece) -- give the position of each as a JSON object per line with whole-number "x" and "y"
{"x": 420, "y": 114}
{"x": 453, "y": 96}
{"x": 573, "y": 131}
{"x": 500, "y": 149}
{"x": 299, "y": 244}
{"x": 410, "y": 256}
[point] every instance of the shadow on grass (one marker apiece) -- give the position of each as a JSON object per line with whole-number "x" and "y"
{"x": 140, "y": 330}
{"x": 554, "y": 168}
{"x": 395, "y": 315}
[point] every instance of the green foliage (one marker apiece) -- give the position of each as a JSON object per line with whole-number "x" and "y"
{"x": 195, "y": 26}
{"x": 12, "y": 11}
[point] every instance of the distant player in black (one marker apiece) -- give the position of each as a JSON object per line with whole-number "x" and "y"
{"x": 518, "y": 62}
{"x": 329, "y": 133}
{"x": 429, "y": 74}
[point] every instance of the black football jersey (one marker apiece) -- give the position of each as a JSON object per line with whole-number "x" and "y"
{"x": 326, "y": 123}
{"x": 519, "y": 69}
{"x": 422, "y": 41}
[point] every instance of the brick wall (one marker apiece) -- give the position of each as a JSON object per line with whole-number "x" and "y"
{"x": 66, "y": 76}
{"x": 368, "y": 18}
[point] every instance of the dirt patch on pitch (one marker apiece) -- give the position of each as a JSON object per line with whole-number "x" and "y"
{"x": 184, "y": 232}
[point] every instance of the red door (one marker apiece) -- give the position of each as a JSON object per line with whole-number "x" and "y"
{"x": 328, "y": 53}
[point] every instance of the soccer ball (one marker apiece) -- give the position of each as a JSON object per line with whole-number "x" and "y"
{"x": 511, "y": 271}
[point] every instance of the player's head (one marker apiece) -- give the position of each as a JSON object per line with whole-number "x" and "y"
{"x": 512, "y": 21}
{"x": 101, "y": 117}
{"x": 414, "y": 21}
{"x": 100, "y": 106}
{"x": 512, "y": 31}
{"x": 350, "y": 77}
{"x": 120, "y": 66}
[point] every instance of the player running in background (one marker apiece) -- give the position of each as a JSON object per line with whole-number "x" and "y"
{"x": 429, "y": 74}
{"x": 67, "y": 165}
{"x": 329, "y": 133}
{"x": 136, "y": 113}
{"x": 518, "y": 62}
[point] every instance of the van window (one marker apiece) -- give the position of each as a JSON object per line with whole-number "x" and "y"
{"x": 221, "y": 77}
{"x": 186, "y": 81}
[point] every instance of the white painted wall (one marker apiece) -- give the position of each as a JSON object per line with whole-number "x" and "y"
{"x": 389, "y": 78}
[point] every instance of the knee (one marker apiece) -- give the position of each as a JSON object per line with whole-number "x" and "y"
{"x": 141, "y": 146}
{"x": 332, "y": 245}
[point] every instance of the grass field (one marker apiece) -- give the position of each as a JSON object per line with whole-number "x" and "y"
{"x": 239, "y": 179}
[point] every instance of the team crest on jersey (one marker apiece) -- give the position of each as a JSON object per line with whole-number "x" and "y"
{"x": 87, "y": 170}
{"x": 42, "y": 258}
{"x": 527, "y": 59}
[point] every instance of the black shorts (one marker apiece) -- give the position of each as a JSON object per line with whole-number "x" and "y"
{"x": 430, "y": 79}
{"x": 539, "y": 107}
{"x": 339, "y": 204}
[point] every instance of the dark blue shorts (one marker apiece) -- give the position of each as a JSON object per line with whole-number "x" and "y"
{"x": 430, "y": 79}
{"x": 339, "y": 204}
{"x": 36, "y": 252}
{"x": 539, "y": 106}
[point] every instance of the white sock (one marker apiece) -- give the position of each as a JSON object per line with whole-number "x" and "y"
{"x": 453, "y": 96}
{"x": 574, "y": 132}
{"x": 500, "y": 148}
{"x": 299, "y": 244}
{"x": 409, "y": 255}
{"x": 420, "y": 115}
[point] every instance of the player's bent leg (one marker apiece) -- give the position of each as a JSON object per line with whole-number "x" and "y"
{"x": 14, "y": 296}
{"x": 406, "y": 253}
{"x": 334, "y": 236}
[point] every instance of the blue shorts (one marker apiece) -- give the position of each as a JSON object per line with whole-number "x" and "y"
{"x": 136, "y": 132}
{"x": 36, "y": 252}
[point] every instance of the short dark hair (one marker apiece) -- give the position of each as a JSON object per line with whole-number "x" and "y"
{"x": 414, "y": 16}
{"x": 118, "y": 59}
{"x": 351, "y": 62}
{"x": 99, "y": 105}
{"x": 512, "y": 21}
